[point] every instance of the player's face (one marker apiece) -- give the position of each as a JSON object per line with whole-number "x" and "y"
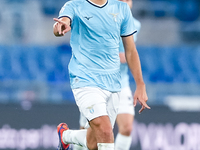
{"x": 129, "y": 2}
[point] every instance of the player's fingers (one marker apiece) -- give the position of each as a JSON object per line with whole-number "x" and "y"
{"x": 67, "y": 28}
{"x": 143, "y": 103}
{"x": 59, "y": 21}
{"x": 146, "y": 106}
{"x": 59, "y": 28}
{"x": 135, "y": 102}
{"x": 141, "y": 109}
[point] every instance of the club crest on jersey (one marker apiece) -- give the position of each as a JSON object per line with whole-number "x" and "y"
{"x": 114, "y": 16}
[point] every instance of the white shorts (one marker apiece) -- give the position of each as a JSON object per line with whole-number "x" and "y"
{"x": 82, "y": 121}
{"x": 94, "y": 102}
{"x": 126, "y": 102}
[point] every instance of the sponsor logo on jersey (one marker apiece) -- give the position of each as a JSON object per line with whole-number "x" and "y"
{"x": 88, "y": 18}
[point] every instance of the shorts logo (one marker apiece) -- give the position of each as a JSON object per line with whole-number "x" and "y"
{"x": 91, "y": 109}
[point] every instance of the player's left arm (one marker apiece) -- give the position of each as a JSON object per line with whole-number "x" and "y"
{"x": 133, "y": 62}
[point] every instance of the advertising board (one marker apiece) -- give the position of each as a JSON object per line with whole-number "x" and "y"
{"x": 157, "y": 129}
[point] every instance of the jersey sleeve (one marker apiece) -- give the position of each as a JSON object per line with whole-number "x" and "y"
{"x": 127, "y": 27}
{"x": 67, "y": 10}
{"x": 138, "y": 27}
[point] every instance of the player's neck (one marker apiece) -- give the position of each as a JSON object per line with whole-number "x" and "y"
{"x": 99, "y": 2}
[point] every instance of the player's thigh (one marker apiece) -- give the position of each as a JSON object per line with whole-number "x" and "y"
{"x": 125, "y": 120}
{"x": 101, "y": 123}
{"x": 102, "y": 129}
{"x": 125, "y": 123}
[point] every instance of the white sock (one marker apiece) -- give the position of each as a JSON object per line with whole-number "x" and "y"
{"x": 77, "y": 137}
{"x": 105, "y": 146}
{"x": 122, "y": 142}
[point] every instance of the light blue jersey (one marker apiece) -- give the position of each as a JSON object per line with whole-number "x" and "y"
{"x": 95, "y": 37}
{"x": 124, "y": 66}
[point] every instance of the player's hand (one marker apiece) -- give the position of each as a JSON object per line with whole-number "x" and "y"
{"x": 61, "y": 27}
{"x": 140, "y": 96}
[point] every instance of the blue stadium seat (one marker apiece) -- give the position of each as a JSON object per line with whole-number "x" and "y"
{"x": 187, "y": 10}
{"x": 50, "y": 63}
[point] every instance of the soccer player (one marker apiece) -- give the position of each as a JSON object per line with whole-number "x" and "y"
{"x": 126, "y": 110}
{"x": 94, "y": 69}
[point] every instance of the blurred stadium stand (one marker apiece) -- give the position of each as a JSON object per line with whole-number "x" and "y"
{"x": 43, "y": 70}
{"x": 33, "y": 63}
{"x": 35, "y": 94}
{"x": 34, "y": 68}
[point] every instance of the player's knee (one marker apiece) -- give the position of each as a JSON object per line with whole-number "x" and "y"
{"x": 92, "y": 146}
{"x": 129, "y": 130}
{"x": 126, "y": 130}
{"x": 103, "y": 127}
{"x": 106, "y": 132}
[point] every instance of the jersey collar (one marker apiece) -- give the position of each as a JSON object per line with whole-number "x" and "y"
{"x": 99, "y": 6}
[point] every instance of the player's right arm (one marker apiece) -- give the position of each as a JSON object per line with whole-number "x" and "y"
{"x": 64, "y": 20}
{"x": 61, "y": 26}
